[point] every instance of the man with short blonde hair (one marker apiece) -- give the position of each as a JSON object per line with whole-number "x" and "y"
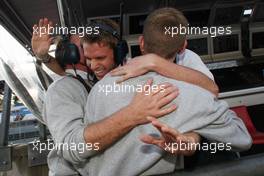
{"x": 198, "y": 111}
{"x": 154, "y": 30}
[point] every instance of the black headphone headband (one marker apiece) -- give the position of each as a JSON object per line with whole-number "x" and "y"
{"x": 68, "y": 53}
{"x": 107, "y": 28}
{"x": 121, "y": 49}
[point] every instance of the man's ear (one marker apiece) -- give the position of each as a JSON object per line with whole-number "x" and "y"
{"x": 141, "y": 43}
{"x": 183, "y": 47}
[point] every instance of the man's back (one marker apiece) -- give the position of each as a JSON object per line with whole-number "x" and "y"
{"x": 197, "y": 111}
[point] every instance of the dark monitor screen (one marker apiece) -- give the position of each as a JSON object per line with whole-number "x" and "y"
{"x": 227, "y": 15}
{"x": 197, "y": 18}
{"x": 136, "y": 24}
{"x": 135, "y": 50}
{"x": 199, "y": 46}
{"x": 259, "y": 14}
{"x": 241, "y": 77}
{"x": 227, "y": 43}
{"x": 258, "y": 40}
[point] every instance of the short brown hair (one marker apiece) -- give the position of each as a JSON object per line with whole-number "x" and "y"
{"x": 155, "y": 39}
{"x": 104, "y": 37}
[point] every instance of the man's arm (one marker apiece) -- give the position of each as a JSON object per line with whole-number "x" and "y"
{"x": 211, "y": 119}
{"x": 152, "y": 62}
{"x": 41, "y": 41}
{"x": 64, "y": 113}
{"x": 114, "y": 127}
{"x": 183, "y": 73}
{"x": 197, "y": 112}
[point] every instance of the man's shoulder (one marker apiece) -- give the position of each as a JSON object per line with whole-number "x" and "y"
{"x": 190, "y": 56}
{"x": 185, "y": 88}
{"x": 65, "y": 83}
{"x": 189, "y": 59}
{"x": 187, "y": 51}
{"x": 109, "y": 82}
{"x": 61, "y": 82}
{"x": 107, "y": 79}
{"x": 192, "y": 60}
{"x": 108, "y": 86}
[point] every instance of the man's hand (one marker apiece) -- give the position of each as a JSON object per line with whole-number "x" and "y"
{"x": 151, "y": 102}
{"x": 41, "y": 39}
{"x": 135, "y": 67}
{"x": 144, "y": 104}
{"x": 171, "y": 139}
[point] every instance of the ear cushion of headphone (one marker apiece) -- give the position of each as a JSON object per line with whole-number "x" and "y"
{"x": 72, "y": 55}
{"x": 120, "y": 52}
{"x": 67, "y": 53}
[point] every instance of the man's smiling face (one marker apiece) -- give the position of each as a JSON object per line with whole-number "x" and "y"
{"x": 99, "y": 57}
